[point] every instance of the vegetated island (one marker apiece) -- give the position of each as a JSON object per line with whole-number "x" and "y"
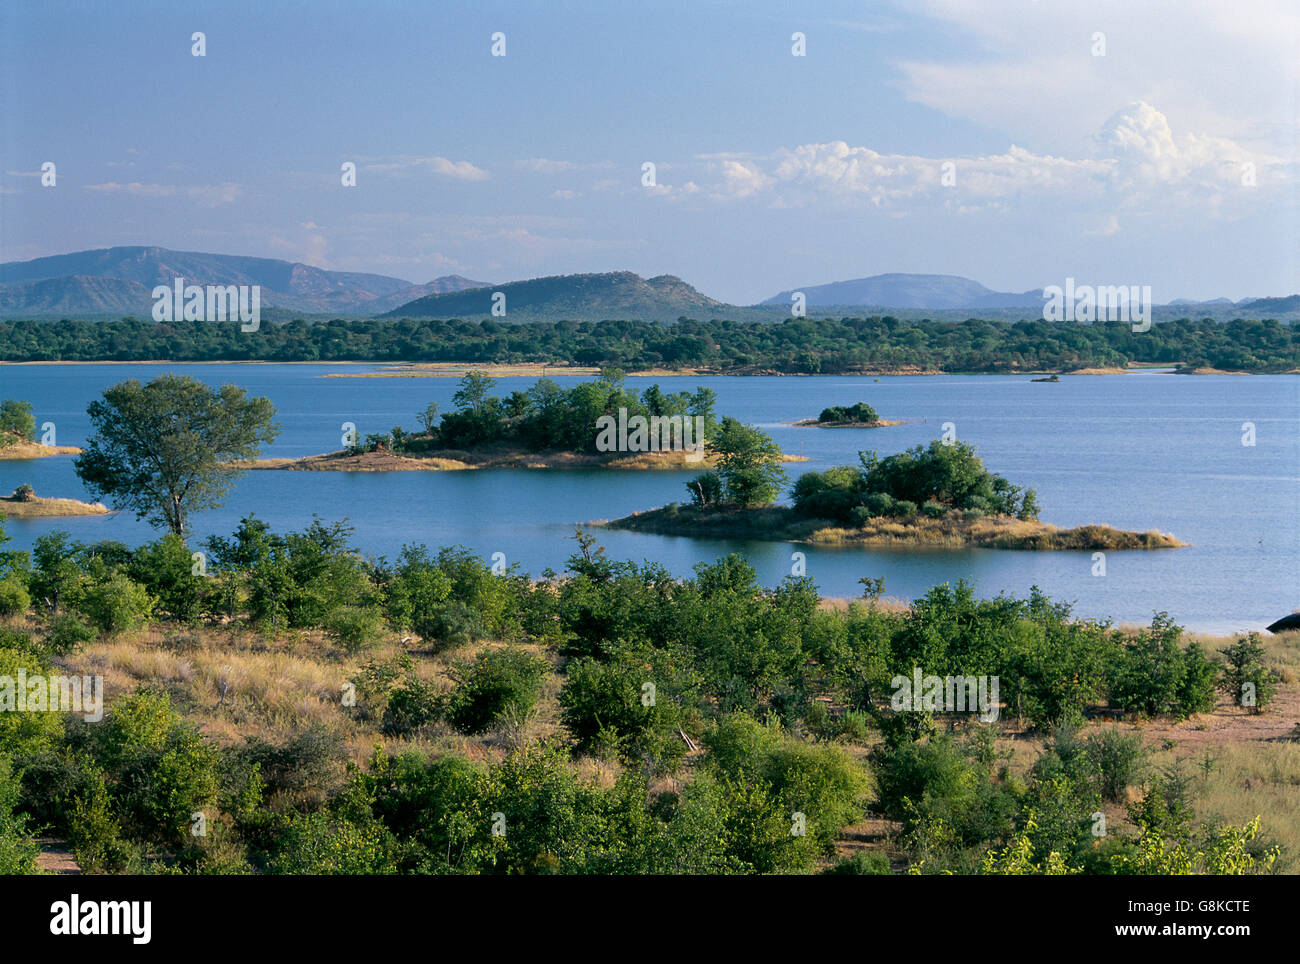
{"x": 859, "y": 415}
{"x": 938, "y": 497}
{"x": 26, "y": 504}
{"x": 18, "y": 434}
{"x": 595, "y": 424}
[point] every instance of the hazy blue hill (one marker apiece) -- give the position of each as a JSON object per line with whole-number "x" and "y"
{"x": 593, "y": 297}
{"x": 935, "y": 291}
{"x": 1276, "y": 305}
{"x": 75, "y": 296}
{"x": 60, "y": 283}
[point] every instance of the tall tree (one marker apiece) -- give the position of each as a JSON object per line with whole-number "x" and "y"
{"x": 166, "y": 449}
{"x": 749, "y": 464}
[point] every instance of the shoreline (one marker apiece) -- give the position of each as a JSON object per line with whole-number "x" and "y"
{"x": 455, "y": 460}
{"x": 525, "y": 369}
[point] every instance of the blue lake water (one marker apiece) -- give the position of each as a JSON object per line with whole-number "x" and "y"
{"x": 1136, "y": 451}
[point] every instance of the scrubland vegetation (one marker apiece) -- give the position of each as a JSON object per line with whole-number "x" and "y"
{"x": 330, "y": 713}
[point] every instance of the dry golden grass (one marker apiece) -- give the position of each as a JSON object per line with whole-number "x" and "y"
{"x": 42, "y": 508}
{"x": 22, "y": 449}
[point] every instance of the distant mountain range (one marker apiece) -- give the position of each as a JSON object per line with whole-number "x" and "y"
{"x": 946, "y": 292}
{"x": 934, "y": 291}
{"x": 120, "y": 281}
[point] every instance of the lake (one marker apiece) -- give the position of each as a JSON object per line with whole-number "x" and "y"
{"x": 1136, "y": 451}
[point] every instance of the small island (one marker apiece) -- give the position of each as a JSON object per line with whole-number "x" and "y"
{"x": 26, "y": 504}
{"x": 595, "y": 424}
{"x": 938, "y": 497}
{"x": 18, "y": 434}
{"x": 860, "y": 415}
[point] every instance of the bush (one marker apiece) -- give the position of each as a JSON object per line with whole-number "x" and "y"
{"x": 24, "y": 493}
{"x": 410, "y": 707}
{"x": 165, "y": 568}
{"x": 354, "y": 626}
{"x": 934, "y": 510}
{"x": 1154, "y": 676}
{"x": 904, "y": 509}
{"x": 879, "y": 503}
{"x": 65, "y": 633}
{"x": 115, "y": 603}
{"x": 1117, "y": 760}
{"x": 706, "y": 489}
{"x": 1245, "y": 678}
{"x": 14, "y": 598}
{"x": 17, "y": 848}
{"x": 602, "y": 705}
{"x": 501, "y": 685}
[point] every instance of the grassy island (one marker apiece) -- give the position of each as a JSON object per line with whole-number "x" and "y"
{"x": 784, "y": 524}
{"x": 937, "y": 497}
{"x": 18, "y": 434}
{"x": 596, "y": 424}
{"x": 25, "y": 505}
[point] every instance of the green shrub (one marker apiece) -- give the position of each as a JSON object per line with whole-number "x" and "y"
{"x": 1117, "y": 760}
{"x": 1245, "y": 677}
{"x": 165, "y": 568}
{"x": 502, "y": 685}
{"x": 65, "y": 633}
{"x": 934, "y": 510}
{"x": 879, "y": 503}
{"x": 18, "y": 849}
{"x": 1154, "y": 676}
{"x": 604, "y": 706}
{"x": 411, "y": 706}
{"x": 14, "y": 598}
{"x": 355, "y": 626}
{"x": 904, "y": 509}
{"x": 115, "y": 603}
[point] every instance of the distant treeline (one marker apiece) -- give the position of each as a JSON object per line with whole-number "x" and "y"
{"x": 803, "y": 345}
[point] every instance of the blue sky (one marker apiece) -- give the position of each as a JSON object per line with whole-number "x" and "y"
{"x": 772, "y": 171}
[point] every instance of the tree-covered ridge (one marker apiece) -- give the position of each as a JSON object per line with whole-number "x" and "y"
{"x": 792, "y": 346}
{"x": 777, "y": 718}
{"x": 935, "y": 480}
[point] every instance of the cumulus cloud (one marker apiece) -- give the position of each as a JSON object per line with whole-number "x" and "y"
{"x": 1137, "y": 161}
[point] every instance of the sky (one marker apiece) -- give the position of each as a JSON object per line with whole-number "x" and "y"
{"x": 1016, "y": 142}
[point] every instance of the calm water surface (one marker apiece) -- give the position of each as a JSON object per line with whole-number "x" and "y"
{"x": 1138, "y": 451}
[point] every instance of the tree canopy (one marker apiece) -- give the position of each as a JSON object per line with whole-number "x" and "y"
{"x": 165, "y": 449}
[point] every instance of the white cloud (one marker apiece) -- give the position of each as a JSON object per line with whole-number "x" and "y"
{"x": 1138, "y": 162}
{"x": 459, "y": 170}
{"x": 1027, "y": 69}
